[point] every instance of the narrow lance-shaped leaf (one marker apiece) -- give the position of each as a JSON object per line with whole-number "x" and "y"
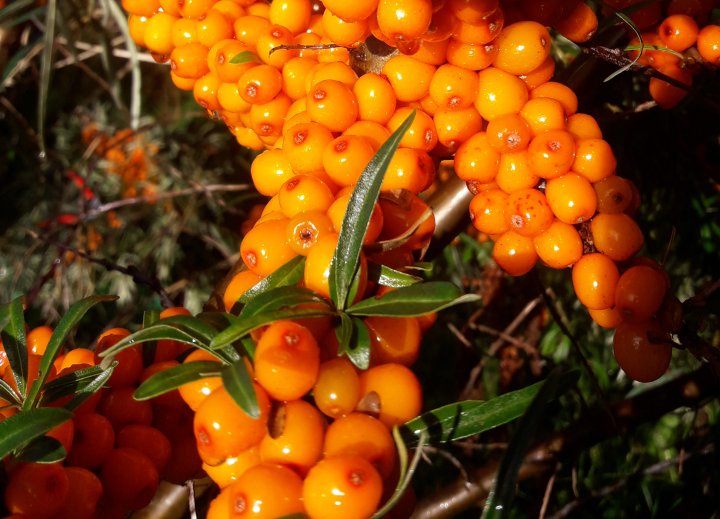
{"x": 289, "y": 274}
{"x": 244, "y": 57}
{"x": 357, "y": 217}
{"x": 149, "y": 349}
{"x": 238, "y": 383}
{"x": 43, "y": 449}
{"x": 241, "y": 327}
{"x": 46, "y": 70}
{"x": 4, "y": 316}
{"x": 500, "y": 498}
{"x": 389, "y": 277}
{"x": 21, "y": 428}
{"x": 280, "y": 297}
{"x": 91, "y": 387}
{"x": 414, "y": 300}
{"x": 68, "y": 321}
{"x": 357, "y": 348}
{"x": 158, "y": 331}
{"x": 72, "y": 383}
{"x": 172, "y": 378}
{"x": 14, "y": 341}
{"x": 8, "y": 394}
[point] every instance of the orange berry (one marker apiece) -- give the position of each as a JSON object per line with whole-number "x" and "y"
{"x": 397, "y": 390}
{"x": 194, "y": 393}
{"x": 551, "y": 153}
{"x": 543, "y": 114}
{"x": 205, "y": 92}
{"x": 583, "y": 126}
{"x": 269, "y": 39}
{"x": 410, "y": 78}
{"x": 295, "y": 436}
{"x": 248, "y": 29}
{"x": 472, "y": 11}
{"x": 559, "y": 246}
{"x": 158, "y": 33}
{"x": 37, "y": 490}
{"x": 666, "y": 95}
{"x": 432, "y": 52}
{"x": 345, "y": 158}
{"x": 470, "y": 56}
{"x": 136, "y": 27}
{"x": 337, "y": 211}
{"x": 119, "y": 406}
{"x": 514, "y": 253}
{"x": 375, "y": 132}
{"x": 147, "y": 440}
{"x": 332, "y": 104}
{"x": 420, "y": 135}
{"x": 304, "y": 193}
{"x": 195, "y": 8}
{"x": 130, "y": 365}
{"x": 376, "y": 98}
{"x": 400, "y": 216}
{"x": 77, "y": 356}
{"x": 614, "y": 194}
{"x": 240, "y": 283}
{"x": 442, "y": 25}
{"x": 708, "y": 44}
{"x": 499, "y": 93}
{"x": 595, "y": 277}
{"x": 514, "y": 172}
{"x": 616, "y": 235}
{"x": 488, "y": 211}
{"x": 84, "y": 492}
{"x": 640, "y": 352}
{"x": 546, "y": 12}
{"x": 608, "y": 318}
{"x": 287, "y": 360}
{"x": 184, "y": 31}
{"x": 189, "y": 61}
{"x": 639, "y": 293}
{"x": 359, "y": 434}
{"x": 37, "y": 339}
{"x": 476, "y": 160}
{"x": 231, "y": 469}
{"x": 93, "y": 440}
{"x": 404, "y": 21}
{"x": 453, "y": 127}
{"x": 508, "y": 133}
{"x": 306, "y": 228}
{"x": 578, "y": 25}
{"x": 528, "y": 212}
{"x": 260, "y": 84}
{"x": 594, "y": 159}
{"x": 262, "y": 252}
{"x": 522, "y": 47}
{"x": 540, "y": 75}
{"x": 337, "y": 389}
{"x": 303, "y": 145}
{"x": 678, "y": 32}
{"x": 410, "y": 169}
{"x": 571, "y": 198}
{"x": 393, "y": 339}
{"x": 213, "y": 28}
{"x": 223, "y": 430}
{"x": 561, "y": 93}
{"x": 453, "y": 87}
{"x": 292, "y": 14}
{"x": 342, "y": 32}
{"x": 482, "y": 32}
{"x": 129, "y": 477}
{"x": 270, "y": 170}
{"x": 295, "y": 73}
{"x": 141, "y": 7}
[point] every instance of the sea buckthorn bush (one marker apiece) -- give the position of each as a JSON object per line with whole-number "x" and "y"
{"x": 312, "y": 378}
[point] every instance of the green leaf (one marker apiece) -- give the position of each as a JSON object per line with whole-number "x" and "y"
{"x": 13, "y": 338}
{"x": 43, "y": 449}
{"x": 389, "y": 277}
{"x": 281, "y": 297}
{"x": 8, "y": 394}
{"x": 238, "y": 383}
{"x": 14, "y": 9}
{"x": 46, "y": 70}
{"x": 356, "y": 341}
{"x": 71, "y": 318}
{"x": 414, "y": 300}
{"x": 167, "y": 380}
{"x": 23, "y": 427}
{"x": 90, "y": 387}
{"x": 289, "y": 274}
{"x": 625, "y": 18}
{"x": 242, "y": 326}
{"x": 244, "y": 57}
{"x": 73, "y": 383}
{"x": 149, "y": 349}
{"x": 161, "y": 330}
{"x": 500, "y": 498}
{"x": 344, "y": 264}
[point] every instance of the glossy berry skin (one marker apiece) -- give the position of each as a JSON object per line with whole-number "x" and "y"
{"x": 397, "y": 389}
{"x": 37, "y": 490}
{"x": 528, "y": 212}
{"x": 488, "y": 211}
{"x": 616, "y": 235}
{"x": 559, "y": 246}
{"x": 523, "y": 47}
{"x": 514, "y": 253}
{"x": 129, "y": 477}
{"x": 147, "y": 440}
{"x": 231, "y": 469}
{"x": 640, "y": 292}
{"x": 262, "y": 251}
{"x": 571, "y": 198}
{"x": 595, "y": 277}
{"x": 94, "y": 439}
{"x": 342, "y": 487}
{"x": 83, "y": 495}
{"x": 394, "y": 339}
{"x": 337, "y": 389}
{"x": 640, "y": 352}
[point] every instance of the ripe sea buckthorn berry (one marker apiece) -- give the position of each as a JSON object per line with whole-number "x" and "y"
{"x": 129, "y": 367}
{"x": 614, "y": 194}
{"x": 332, "y": 104}
{"x": 223, "y": 430}
{"x": 571, "y": 198}
{"x": 266, "y": 490}
{"x": 359, "y": 434}
{"x": 514, "y": 253}
{"x": 639, "y": 293}
{"x": 342, "y": 487}
{"x": 666, "y": 95}
{"x": 472, "y": 11}
{"x": 287, "y": 359}
{"x": 37, "y": 339}
{"x": 222, "y": 57}
{"x": 260, "y": 84}
{"x": 476, "y": 160}
{"x": 540, "y": 75}
{"x": 119, "y": 406}
{"x": 267, "y": 119}
{"x": 270, "y": 170}
{"x": 136, "y": 27}
{"x": 141, "y": 7}
{"x": 147, "y": 440}
{"x": 420, "y": 135}
{"x": 213, "y": 28}
{"x": 194, "y": 393}
{"x": 522, "y": 47}
{"x": 583, "y": 126}
{"x": 543, "y": 114}
{"x": 396, "y": 389}
{"x": 616, "y": 235}
{"x": 442, "y": 25}
{"x": 528, "y": 212}
{"x": 488, "y": 211}
{"x": 295, "y": 436}
{"x": 158, "y": 34}
{"x": 508, "y": 133}
{"x": 306, "y": 228}
{"x": 561, "y": 93}
{"x": 37, "y": 490}
{"x": 84, "y": 492}
{"x": 594, "y": 159}
{"x": 400, "y": 216}
{"x": 470, "y": 56}
{"x": 499, "y": 93}
{"x": 248, "y": 29}
{"x": 304, "y": 193}
{"x": 409, "y": 77}
{"x": 559, "y": 246}
{"x": 129, "y": 477}
{"x": 269, "y": 39}
{"x": 184, "y": 31}
{"x": 231, "y": 469}
{"x": 93, "y": 439}
{"x": 337, "y": 388}
{"x": 342, "y": 32}
{"x": 708, "y": 44}
{"x": 229, "y": 9}
{"x": 643, "y": 17}
{"x": 454, "y": 127}
{"x": 189, "y": 61}
{"x": 336, "y": 70}
{"x": 72, "y": 358}
{"x": 376, "y": 98}
{"x": 546, "y": 12}
{"x": 640, "y": 350}
{"x": 337, "y": 211}
{"x": 678, "y": 32}
{"x": 453, "y": 87}
{"x": 514, "y": 172}
{"x": 578, "y": 25}
{"x": 294, "y": 74}
{"x": 303, "y": 145}
{"x": 482, "y": 32}
{"x": 394, "y": 339}
{"x": 351, "y": 11}
{"x": 375, "y": 132}
{"x": 230, "y": 100}
{"x": 262, "y": 251}
{"x": 181, "y": 83}
{"x": 595, "y": 277}
{"x": 205, "y": 92}
{"x": 345, "y": 158}
{"x": 432, "y": 52}
{"x": 551, "y": 153}
{"x": 292, "y": 14}
{"x": 404, "y": 20}
{"x": 195, "y": 8}
{"x": 608, "y": 318}
{"x": 411, "y": 169}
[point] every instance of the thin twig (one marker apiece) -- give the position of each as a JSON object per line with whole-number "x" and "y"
{"x": 548, "y": 492}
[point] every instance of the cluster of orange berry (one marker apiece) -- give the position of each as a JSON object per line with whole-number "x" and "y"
{"x": 118, "y": 449}
{"x": 684, "y": 46}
